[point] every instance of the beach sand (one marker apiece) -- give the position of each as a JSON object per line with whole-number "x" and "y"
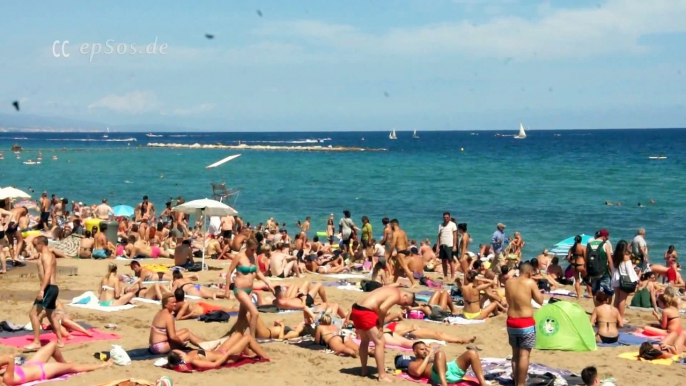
{"x": 290, "y": 364}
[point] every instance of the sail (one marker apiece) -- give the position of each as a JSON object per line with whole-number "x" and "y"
{"x": 522, "y": 133}
{"x": 414, "y": 135}
{"x": 392, "y": 135}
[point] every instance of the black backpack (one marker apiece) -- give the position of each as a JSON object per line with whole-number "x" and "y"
{"x": 596, "y": 265}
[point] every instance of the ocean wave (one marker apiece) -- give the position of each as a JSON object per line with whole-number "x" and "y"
{"x": 92, "y": 140}
{"x": 180, "y": 135}
{"x": 319, "y": 140}
{"x": 13, "y": 138}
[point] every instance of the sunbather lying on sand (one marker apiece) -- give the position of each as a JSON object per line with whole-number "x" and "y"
{"x": 414, "y": 332}
{"x": 329, "y": 336}
{"x": 278, "y": 331}
{"x": 431, "y": 363}
{"x": 178, "y": 281}
{"x": 164, "y": 336}
{"x": 440, "y": 300}
{"x": 146, "y": 274}
{"x": 294, "y": 297}
{"x": 670, "y": 346}
{"x": 37, "y": 368}
{"x": 228, "y": 352}
{"x": 66, "y": 323}
{"x": 190, "y": 310}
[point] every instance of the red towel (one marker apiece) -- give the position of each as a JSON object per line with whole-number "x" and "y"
{"x": 76, "y": 337}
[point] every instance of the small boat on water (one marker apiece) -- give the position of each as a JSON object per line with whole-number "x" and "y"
{"x": 54, "y": 157}
{"x": 30, "y": 162}
{"x": 522, "y": 133}
{"x": 657, "y": 157}
{"x": 415, "y": 135}
{"x": 392, "y": 135}
{"x": 107, "y": 135}
{"x": 151, "y": 135}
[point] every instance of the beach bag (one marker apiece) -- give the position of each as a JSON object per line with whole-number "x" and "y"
{"x": 626, "y": 285}
{"x": 119, "y": 356}
{"x": 402, "y": 362}
{"x": 415, "y": 314}
{"x": 596, "y": 266}
{"x": 438, "y": 314}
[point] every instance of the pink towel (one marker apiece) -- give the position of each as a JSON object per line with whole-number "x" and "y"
{"x": 76, "y": 338}
{"x": 389, "y": 346}
{"x": 466, "y": 381}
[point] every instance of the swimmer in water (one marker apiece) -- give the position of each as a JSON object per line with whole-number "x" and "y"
{"x": 608, "y": 203}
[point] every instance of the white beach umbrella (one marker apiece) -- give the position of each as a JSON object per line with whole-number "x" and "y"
{"x": 205, "y": 208}
{"x": 10, "y": 192}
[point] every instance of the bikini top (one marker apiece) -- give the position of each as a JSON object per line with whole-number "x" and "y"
{"x": 161, "y": 330}
{"x": 246, "y": 270}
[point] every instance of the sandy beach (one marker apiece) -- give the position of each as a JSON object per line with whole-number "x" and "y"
{"x": 290, "y": 365}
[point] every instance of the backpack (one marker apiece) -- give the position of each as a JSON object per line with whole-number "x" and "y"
{"x": 596, "y": 265}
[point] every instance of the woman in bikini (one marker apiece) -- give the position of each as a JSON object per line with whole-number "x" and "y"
{"x": 164, "y": 336}
{"x": 471, "y": 293}
{"x": 414, "y": 332}
{"x": 329, "y": 230}
{"x": 229, "y": 351}
{"x": 439, "y": 301}
{"x": 671, "y": 254}
{"x": 606, "y": 318}
{"x": 329, "y": 336}
{"x": 671, "y": 318}
{"x": 278, "y": 331}
{"x": 86, "y": 246}
{"x": 38, "y": 369}
{"x": 246, "y": 271}
{"x": 646, "y": 292}
{"x": 623, "y": 267}
{"x": 575, "y": 256}
{"x": 667, "y": 349}
{"x": 191, "y": 289}
{"x": 109, "y": 291}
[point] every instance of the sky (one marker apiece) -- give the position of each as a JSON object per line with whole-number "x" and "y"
{"x": 348, "y": 65}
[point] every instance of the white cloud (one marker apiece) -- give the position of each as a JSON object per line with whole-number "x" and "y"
{"x": 555, "y": 33}
{"x": 135, "y": 102}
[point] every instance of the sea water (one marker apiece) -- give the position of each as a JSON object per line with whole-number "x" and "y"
{"x": 549, "y": 186}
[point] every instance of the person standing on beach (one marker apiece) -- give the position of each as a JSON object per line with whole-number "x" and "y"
{"x": 639, "y": 250}
{"x": 180, "y": 229}
{"x": 597, "y": 255}
{"x": 498, "y": 242}
{"x": 145, "y": 209}
{"x": 44, "y": 211}
{"x": 47, "y": 294}
{"x": 368, "y": 315}
{"x": 347, "y": 228}
{"x": 521, "y": 326}
{"x": 400, "y": 244}
{"x": 103, "y": 211}
{"x": 387, "y": 233}
{"x": 366, "y": 232}
{"x": 446, "y": 245}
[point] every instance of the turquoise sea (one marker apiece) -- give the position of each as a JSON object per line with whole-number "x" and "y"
{"x": 549, "y": 186}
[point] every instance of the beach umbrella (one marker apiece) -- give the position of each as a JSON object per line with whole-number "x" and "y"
{"x": 562, "y": 247}
{"x": 10, "y": 192}
{"x": 123, "y": 211}
{"x": 205, "y": 208}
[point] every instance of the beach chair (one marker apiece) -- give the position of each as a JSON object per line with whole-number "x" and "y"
{"x": 220, "y": 193}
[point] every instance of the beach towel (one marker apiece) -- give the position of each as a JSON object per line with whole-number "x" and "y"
{"x": 26, "y": 330}
{"x": 159, "y": 268}
{"x": 500, "y": 370}
{"x": 634, "y": 356}
{"x": 77, "y": 338}
{"x": 628, "y": 339}
{"x": 60, "y": 378}
{"x": 144, "y": 300}
{"x": 466, "y": 381}
{"x": 241, "y": 362}
{"x": 349, "y": 288}
{"x": 69, "y": 246}
{"x": 98, "y": 307}
{"x": 346, "y": 276}
{"x": 462, "y": 321}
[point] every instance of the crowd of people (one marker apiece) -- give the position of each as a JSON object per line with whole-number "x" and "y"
{"x": 492, "y": 281}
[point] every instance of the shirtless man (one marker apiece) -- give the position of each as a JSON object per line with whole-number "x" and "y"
{"x": 47, "y": 295}
{"x": 237, "y": 242}
{"x": 368, "y": 315}
{"x": 228, "y": 226}
{"x": 400, "y": 243}
{"x": 13, "y": 231}
{"x": 306, "y": 225}
{"x": 431, "y": 363}
{"x": 282, "y": 264}
{"x": 103, "y": 211}
{"x": 183, "y": 253}
{"x": 180, "y": 229}
{"x": 416, "y": 263}
{"x": 102, "y": 248}
{"x": 521, "y": 326}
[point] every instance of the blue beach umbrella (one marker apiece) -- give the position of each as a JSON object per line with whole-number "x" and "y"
{"x": 562, "y": 247}
{"x": 123, "y": 211}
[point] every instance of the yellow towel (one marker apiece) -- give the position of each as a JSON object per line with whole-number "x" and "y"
{"x": 634, "y": 356}
{"x": 161, "y": 268}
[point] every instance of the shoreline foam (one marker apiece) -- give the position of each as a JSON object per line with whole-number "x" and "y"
{"x": 263, "y": 147}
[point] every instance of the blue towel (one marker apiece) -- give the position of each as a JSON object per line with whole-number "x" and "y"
{"x": 627, "y": 340}
{"x": 85, "y": 300}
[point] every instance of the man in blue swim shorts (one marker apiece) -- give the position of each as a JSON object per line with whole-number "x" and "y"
{"x": 521, "y": 326}
{"x": 432, "y": 364}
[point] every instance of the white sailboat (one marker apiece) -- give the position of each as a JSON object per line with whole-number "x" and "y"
{"x": 392, "y": 135}
{"x": 107, "y": 135}
{"x": 415, "y": 135}
{"x": 522, "y": 133}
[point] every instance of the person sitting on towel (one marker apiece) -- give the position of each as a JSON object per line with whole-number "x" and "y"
{"x": 164, "y": 336}
{"x": 606, "y": 318}
{"x": 38, "y": 369}
{"x": 230, "y": 351}
{"x": 431, "y": 363}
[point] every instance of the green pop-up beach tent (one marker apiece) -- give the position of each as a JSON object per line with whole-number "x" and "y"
{"x": 564, "y": 326}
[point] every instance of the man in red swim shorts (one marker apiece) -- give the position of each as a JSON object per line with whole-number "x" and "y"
{"x": 368, "y": 316}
